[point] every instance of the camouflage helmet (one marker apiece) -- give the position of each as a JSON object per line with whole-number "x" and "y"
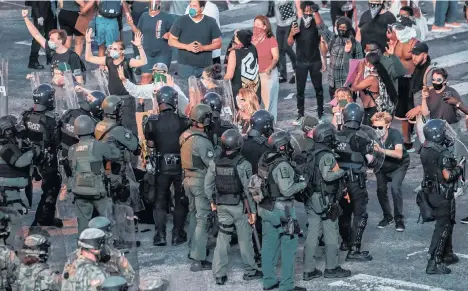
{"x": 111, "y": 105}
{"x": 84, "y": 125}
{"x": 200, "y": 112}
{"x": 114, "y": 283}
{"x": 103, "y": 223}
{"x": 92, "y": 239}
{"x": 36, "y": 245}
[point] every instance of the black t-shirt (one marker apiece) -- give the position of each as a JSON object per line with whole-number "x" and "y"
{"x": 246, "y": 73}
{"x": 154, "y": 27}
{"x": 116, "y": 86}
{"x": 307, "y": 43}
{"x": 188, "y": 31}
{"x": 394, "y": 138}
{"x": 68, "y": 57}
{"x": 375, "y": 29}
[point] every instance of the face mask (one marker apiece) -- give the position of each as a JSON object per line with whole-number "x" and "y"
{"x": 115, "y": 55}
{"x": 307, "y": 21}
{"x": 258, "y": 30}
{"x": 51, "y": 45}
{"x": 342, "y": 102}
{"x": 375, "y": 9}
{"x": 438, "y": 86}
{"x": 192, "y": 12}
{"x": 381, "y": 132}
{"x": 343, "y": 33}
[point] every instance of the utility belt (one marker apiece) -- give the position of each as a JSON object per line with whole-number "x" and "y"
{"x": 169, "y": 163}
{"x": 290, "y": 226}
{"x": 446, "y": 191}
{"x": 331, "y": 209}
{"x": 353, "y": 176}
{"x": 229, "y": 199}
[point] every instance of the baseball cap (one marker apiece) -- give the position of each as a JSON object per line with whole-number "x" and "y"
{"x": 419, "y": 48}
{"x": 309, "y": 123}
{"x": 160, "y": 67}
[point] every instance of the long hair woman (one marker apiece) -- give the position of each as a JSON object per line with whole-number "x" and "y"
{"x": 378, "y": 92}
{"x": 247, "y": 102}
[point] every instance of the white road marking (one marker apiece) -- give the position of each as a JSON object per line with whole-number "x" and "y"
{"x": 382, "y": 284}
{"x": 462, "y": 88}
{"x": 248, "y": 24}
{"x": 290, "y": 96}
{"x": 415, "y": 253}
{"x": 452, "y": 59}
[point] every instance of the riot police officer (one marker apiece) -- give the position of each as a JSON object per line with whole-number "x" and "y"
{"x": 308, "y": 125}
{"x": 441, "y": 175}
{"x": 34, "y": 270}
{"x": 353, "y": 149}
{"x": 42, "y": 130}
{"x": 280, "y": 227}
{"x": 123, "y": 190}
{"x": 322, "y": 206}
{"x": 162, "y": 132}
{"x": 8, "y": 259}
{"x": 89, "y": 177}
{"x": 219, "y": 125}
{"x": 91, "y": 106}
{"x": 196, "y": 152}
{"x": 15, "y": 162}
{"x": 226, "y": 185}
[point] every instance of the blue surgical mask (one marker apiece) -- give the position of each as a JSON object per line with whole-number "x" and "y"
{"x": 51, "y": 45}
{"x": 114, "y": 54}
{"x": 192, "y": 12}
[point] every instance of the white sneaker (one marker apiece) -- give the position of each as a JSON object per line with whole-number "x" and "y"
{"x": 299, "y": 120}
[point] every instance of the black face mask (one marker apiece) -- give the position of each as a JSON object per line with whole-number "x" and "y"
{"x": 343, "y": 33}
{"x": 104, "y": 254}
{"x": 438, "y": 86}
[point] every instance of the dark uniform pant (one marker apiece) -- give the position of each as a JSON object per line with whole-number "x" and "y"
{"x": 355, "y": 211}
{"x": 51, "y": 185}
{"x": 49, "y": 23}
{"x": 444, "y": 213}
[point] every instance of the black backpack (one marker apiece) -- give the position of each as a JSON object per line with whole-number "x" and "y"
{"x": 110, "y": 8}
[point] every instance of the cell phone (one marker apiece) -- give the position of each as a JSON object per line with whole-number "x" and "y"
{"x": 159, "y": 77}
{"x": 294, "y": 23}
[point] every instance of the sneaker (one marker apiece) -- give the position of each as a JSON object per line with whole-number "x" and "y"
{"x": 464, "y": 220}
{"x": 413, "y": 137}
{"x": 307, "y": 276}
{"x": 386, "y": 221}
{"x": 299, "y": 120}
{"x": 282, "y": 80}
{"x": 440, "y": 29}
{"x": 338, "y": 272}
{"x": 409, "y": 147}
{"x": 453, "y": 25}
{"x": 399, "y": 225}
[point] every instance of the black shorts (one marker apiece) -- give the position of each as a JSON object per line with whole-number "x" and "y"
{"x": 67, "y": 20}
{"x": 405, "y": 98}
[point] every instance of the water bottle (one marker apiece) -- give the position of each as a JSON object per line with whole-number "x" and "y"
{"x": 339, "y": 118}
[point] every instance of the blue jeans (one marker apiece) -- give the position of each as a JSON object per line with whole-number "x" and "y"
{"x": 445, "y": 12}
{"x": 186, "y": 71}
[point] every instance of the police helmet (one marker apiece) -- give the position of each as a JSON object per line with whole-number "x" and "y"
{"x": 84, "y": 125}
{"x": 167, "y": 95}
{"x": 114, "y": 283}
{"x": 111, "y": 105}
{"x": 309, "y": 123}
{"x": 7, "y": 122}
{"x": 95, "y": 103}
{"x": 103, "y": 223}
{"x": 92, "y": 239}
{"x": 200, "y": 113}
{"x": 323, "y": 132}
{"x": 44, "y": 97}
{"x": 279, "y": 140}
{"x": 232, "y": 140}
{"x": 261, "y": 122}
{"x": 434, "y": 130}
{"x": 214, "y": 101}
{"x": 37, "y": 245}
{"x": 352, "y": 115}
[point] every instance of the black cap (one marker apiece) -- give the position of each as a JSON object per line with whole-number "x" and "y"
{"x": 309, "y": 123}
{"x": 419, "y": 48}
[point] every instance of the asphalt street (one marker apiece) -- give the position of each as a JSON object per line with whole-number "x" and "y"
{"x": 399, "y": 258}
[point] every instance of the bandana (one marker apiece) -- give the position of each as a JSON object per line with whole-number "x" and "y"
{"x": 307, "y": 21}
{"x": 406, "y": 34}
{"x": 375, "y": 9}
{"x": 259, "y": 34}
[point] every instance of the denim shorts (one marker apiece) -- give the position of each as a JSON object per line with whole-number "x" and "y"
{"x": 107, "y": 31}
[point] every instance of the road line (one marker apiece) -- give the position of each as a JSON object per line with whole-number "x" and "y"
{"x": 451, "y": 59}
{"x": 461, "y": 88}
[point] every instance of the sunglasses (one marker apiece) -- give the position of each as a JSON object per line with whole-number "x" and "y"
{"x": 378, "y": 127}
{"x": 438, "y": 80}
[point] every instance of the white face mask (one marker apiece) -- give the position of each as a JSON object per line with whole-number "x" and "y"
{"x": 381, "y": 132}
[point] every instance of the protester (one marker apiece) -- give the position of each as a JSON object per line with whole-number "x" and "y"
{"x": 196, "y": 36}
{"x": 378, "y": 93}
{"x": 155, "y": 24}
{"x": 242, "y": 67}
{"x": 374, "y": 23}
{"x": 422, "y": 61}
{"x": 67, "y": 18}
{"x": 211, "y": 10}
{"x": 445, "y": 16}
{"x": 342, "y": 48}
{"x": 393, "y": 170}
{"x": 343, "y": 96}
{"x": 55, "y": 46}
{"x": 309, "y": 59}
{"x": 44, "y": 19}
{"x": 247, "y": 102}
{"x": 268, "y": 56}
{"x": 211, "y": 79}
{"x": 420, "y": 22}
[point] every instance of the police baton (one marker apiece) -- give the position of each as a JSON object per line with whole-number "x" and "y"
{"x": 254, "y": 229}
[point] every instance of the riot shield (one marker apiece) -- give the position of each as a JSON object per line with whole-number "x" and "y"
{"x": 378, "y": 156}
{"x": 124, "y": 233}
{"x": 97, "y": 80}
{"x": 3, "y": 87}
{"x": 38, "y": 78}
{"x": 65, "y": 95}
{"x": 459, "y": 141}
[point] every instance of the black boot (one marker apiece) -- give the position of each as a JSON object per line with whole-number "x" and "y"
{"x": 307, "y": 276}
{"x": 344, "y": 246}
{"x": 35, "y": 65}
{"x": 257, "y": 275}
{"x": 355, "y": 255}
{"x": 159, "y": 239}
{"x": 450, "y": 259}
{"x": 198, "y": 266}
{"x": 338, "y": 272}
{"x": 179, "y": 237}
{"x": 221, "y": 280}
{"x": 271, "y": 9}
{"x": 434, "y": 268}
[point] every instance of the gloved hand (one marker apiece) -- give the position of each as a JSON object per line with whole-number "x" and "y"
{"x": 315, "y": 8}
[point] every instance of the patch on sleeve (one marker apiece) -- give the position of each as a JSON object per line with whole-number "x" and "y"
{"x": 209, "y": 154}
{"x": 128, "y": 136}
{"x": 248, "y": 172}
{"x": 285, "y": 172}
{"x": 328, "y": 160}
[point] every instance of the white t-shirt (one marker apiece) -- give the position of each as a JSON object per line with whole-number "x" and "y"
{"x": 210, "y": 10}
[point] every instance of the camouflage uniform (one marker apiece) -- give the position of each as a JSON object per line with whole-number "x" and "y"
{"x": 9, "y": 267}
{"x": 82, "y": 274}
{"x": 38, "y": 277}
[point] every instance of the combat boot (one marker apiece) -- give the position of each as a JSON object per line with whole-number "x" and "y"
{"x": 257, "y": 275}
{"x": 434, "y": 268}
{"x": 450, "y": 259}
{"x": 271, "y": 9}
{"x": 355, "y": 255}
{"x": 307, "y": 276}
{"x": 338, "y": 272}
{"x": 344, "y": 246}
{"x": 159, "y": 239}
{"x": 179, "y": 237}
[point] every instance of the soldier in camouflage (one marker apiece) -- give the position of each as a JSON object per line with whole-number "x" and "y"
{"x": 85, "y": 273}
{"x": 34, "y": 273}
{"x": 9, "y": 261}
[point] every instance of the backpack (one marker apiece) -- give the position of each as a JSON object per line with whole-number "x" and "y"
{"x": 110, "y": 8}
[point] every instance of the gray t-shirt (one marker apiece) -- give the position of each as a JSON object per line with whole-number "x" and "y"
{"x": 188, "y": 31}
{"x": 70, "y": 6}
{"x": 441, "y": 110}
{"x": 154, "y": 28}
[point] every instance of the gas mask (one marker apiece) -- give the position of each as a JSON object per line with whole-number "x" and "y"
{"x": 104, "y": 255}
{"x": 208, "y": 122}
{"x": 375, "y": 9}
{"x": 269, "y": 132}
